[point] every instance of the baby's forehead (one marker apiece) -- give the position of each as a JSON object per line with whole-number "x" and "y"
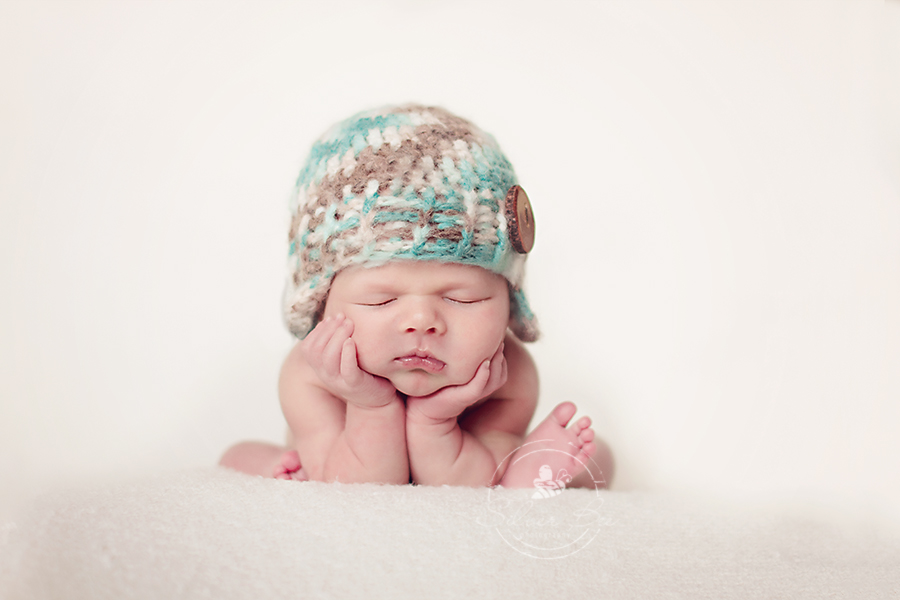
{"x": 437, "y": 273}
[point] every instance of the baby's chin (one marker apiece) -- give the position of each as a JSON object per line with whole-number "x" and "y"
{"x": 417, "y": 384}
{"x": 416, "y": 389}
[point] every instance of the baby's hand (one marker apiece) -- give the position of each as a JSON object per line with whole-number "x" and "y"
{"x": 451, "y": 401}
{"x": 331, "y": 353}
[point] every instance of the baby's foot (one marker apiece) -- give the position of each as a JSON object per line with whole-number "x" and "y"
{"x": 288, "y": 467}
{"x": 552, "y": 452}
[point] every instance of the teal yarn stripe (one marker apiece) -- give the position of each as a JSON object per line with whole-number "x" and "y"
{"x": 349, "y": 134}
{"x": 410, "y": 216}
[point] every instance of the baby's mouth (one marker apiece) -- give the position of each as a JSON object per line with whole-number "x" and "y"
{"x": 421, "y": 360}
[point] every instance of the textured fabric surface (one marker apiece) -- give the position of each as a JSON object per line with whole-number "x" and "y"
{"x": 401, "y": 183}
{"x": 218, "y": 534}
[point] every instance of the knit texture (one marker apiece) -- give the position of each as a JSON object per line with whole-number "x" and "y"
{"x": 400, "y": 183}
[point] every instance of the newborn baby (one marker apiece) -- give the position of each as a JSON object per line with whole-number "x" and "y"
{"x": 408, "y": 241}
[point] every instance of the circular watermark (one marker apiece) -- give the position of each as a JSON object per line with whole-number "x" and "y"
{"x": 549, "y": 520}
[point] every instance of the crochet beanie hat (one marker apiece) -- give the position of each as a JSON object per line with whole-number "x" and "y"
{"x": 405, "y": 183}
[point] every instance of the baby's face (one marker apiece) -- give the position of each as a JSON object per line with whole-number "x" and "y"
{"x": 422, "y": 325}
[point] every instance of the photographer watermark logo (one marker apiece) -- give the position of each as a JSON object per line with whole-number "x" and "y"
{"x": 547, "y": 487}
{"x": 551, "y": 519}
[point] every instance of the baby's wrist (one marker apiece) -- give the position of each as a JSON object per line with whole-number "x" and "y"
{"x": 378, "y": 399}
{"x": 416, "y": 417}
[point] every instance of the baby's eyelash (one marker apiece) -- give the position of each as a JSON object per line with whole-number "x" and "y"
{"x": 457, "y": 301}
{"x": 377, "y": 303}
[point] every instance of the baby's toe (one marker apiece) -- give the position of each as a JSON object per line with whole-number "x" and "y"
{"x": 588, "y": 450}
{"x": 563, "y": 413}
{"x": 299, "y": 475}
{"x": 581, "y": 424}
{"x": 290, "y": 460}
{"x": 287, "y": 466}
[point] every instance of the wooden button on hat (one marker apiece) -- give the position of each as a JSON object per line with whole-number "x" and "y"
{"x": 520, "y": 220}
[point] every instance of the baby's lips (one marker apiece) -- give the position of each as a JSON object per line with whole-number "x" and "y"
{"x": 426, "y": 363}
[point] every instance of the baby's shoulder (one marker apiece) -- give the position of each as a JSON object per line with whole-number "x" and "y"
{"x": 522, "y": 375}
{"x": 296, "y": 371}
{"x": 517, "y": 355}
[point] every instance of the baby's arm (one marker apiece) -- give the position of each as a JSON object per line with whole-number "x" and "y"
{"x": 347, "y": 425}
{"x": 452, "y": 442}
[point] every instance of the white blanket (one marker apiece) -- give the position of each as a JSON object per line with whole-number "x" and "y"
{"x": 218, "y": 534}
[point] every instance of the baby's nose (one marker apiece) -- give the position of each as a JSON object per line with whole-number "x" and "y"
{"x": 422, "y": 317}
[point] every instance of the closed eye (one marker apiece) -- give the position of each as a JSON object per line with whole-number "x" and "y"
{"x": 385, "y": 303}
{"x": 461, "y": 301}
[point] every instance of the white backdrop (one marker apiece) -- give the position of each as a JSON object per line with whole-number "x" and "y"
{"x": 717, "y": 269}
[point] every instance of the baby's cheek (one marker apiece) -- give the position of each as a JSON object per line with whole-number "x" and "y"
{"x": 467, "y": 367}
{"x": 365, "y": 361}
{"x": 366, "y": 354}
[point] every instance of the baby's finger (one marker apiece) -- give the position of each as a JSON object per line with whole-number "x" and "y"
{"x": 469, "y": 392}
{"x": 499, "y": 371}
{"x": 498, "y": 359}
{"x": 482, "y": 376}
{"x": 315, "y": 342}
{"x": 331, "y": 353}
{"x": 349, "y": 363}
{"x": 502, "y": 374}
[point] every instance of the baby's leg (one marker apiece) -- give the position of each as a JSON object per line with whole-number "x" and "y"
{"x": 568, "y": 454}
{"x": 265, "y": 460}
